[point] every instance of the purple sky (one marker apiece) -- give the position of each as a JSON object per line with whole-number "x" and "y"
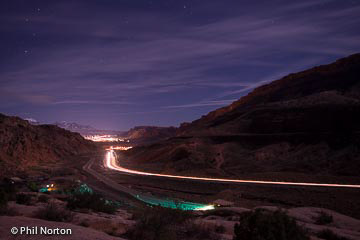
{"x": 114, "y": 64}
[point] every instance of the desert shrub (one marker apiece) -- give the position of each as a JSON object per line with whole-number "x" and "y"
{"x": 43, "y": 198}
{"x": 327, "y": 234}
{"x": 60, "y": 172}
{"x": 265, "y": 225}
{"x": 22, "y": 198}
{"x": 197, "y": 231}
{"x": 54, "y": 213}
{"x": 324, "y": 218}
{"x": 220, "y": 212}
{"x": 180, "y": 153}
{"x": 112, "y": 231}
{"x": 32, "y": 186}
{"x": 108, "y": 226}
{"x": 84, "y": 223}
{"x": 4, "y": 208}
{"x": 220, "y": 229}
{"x": 8, "y": 211}
{"x": 3, "y": 202}
{"x": 91, "y": 201}
{"x": 158, "y": 223}
{"x": 9, "y": 189}
{"x": 3, "y": 198}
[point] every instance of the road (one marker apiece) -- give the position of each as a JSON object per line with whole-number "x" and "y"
{"x": 112, "y": 163}
{"x": 144, "y": 197}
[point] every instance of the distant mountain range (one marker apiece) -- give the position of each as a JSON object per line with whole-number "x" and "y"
{"x": 86, "y": 130}
{"x": 74, "y": 127}
{"x": 32, "y": 121}
{"x": 306, "y": 122}
{"x": 139, "y": 134}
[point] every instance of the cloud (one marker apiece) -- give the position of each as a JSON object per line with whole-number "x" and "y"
{"x": 156, "y": 59}
{"x": 91, "y": 102}
{"x": 203, "y": 104}
{"x": 11, "y": 97}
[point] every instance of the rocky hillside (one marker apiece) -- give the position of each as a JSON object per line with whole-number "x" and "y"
{"x": 307, "y": 122}
{"x": 150, "y": 133}
{"x": 24, "y": 145}
{"x": 268, "y": 107}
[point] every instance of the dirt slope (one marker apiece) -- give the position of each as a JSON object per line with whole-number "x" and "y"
{"x": 24, "y": 145}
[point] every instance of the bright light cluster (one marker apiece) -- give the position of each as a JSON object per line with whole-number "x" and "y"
{"x": 105, "y": 138}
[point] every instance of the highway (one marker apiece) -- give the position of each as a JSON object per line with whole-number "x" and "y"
{"x": 144, "y": 197}
{"x": 112, "y": 163}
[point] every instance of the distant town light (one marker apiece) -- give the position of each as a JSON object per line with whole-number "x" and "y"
{"x": 104, "y": 138}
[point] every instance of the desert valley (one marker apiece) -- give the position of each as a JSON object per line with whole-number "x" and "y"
{"x": 180, "y": 120}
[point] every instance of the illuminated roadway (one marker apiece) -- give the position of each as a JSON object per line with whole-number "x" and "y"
{"x": 111, "y": 163}
{"x": 145, "y": 197}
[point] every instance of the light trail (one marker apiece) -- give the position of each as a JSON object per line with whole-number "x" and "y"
{"x": 120, "y": 148}
{"x": 112, "y": 164}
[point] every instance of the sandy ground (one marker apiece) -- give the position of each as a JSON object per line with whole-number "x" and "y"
{"x": 91, "y": 225}
{"x": 98, "y": 225}
{"x": 305, "y": 216}
{"x": 78, "y": 232}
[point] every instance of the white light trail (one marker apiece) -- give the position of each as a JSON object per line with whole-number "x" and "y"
{"x": 123, "y": 148}
{"x": 112, "y": 164}
{"x": 206, "y": 208}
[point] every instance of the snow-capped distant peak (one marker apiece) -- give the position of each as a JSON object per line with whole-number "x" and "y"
{"x": 31, "y": 120}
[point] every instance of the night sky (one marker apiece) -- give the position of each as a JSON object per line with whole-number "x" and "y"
{"x": 114, "y": 64}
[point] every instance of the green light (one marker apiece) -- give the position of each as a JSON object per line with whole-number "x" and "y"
{"x": 83, "y": 188}
{"x": 43, "y": 190}
{"x": 187, "y": 206}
